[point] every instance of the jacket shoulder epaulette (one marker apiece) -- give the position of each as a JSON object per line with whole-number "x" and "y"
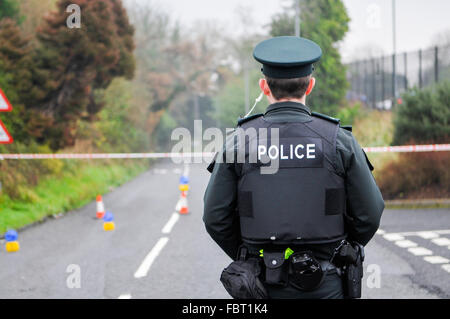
{"x": 347, "y": 127}
{"x": 249, "y": 118}
{"x": 326, "y": 117}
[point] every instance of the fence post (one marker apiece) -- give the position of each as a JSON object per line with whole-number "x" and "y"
{"x": 394, "y": 77}
{"x": 358, "y": 81}
{"x": 420, "y": 69}
{"x": 436, "y": 64}
{"x": 365, "y": 82}
{"x": 405, "y": 56}
{"x": 373, "y": 84}
{"x": 382, "y": 80}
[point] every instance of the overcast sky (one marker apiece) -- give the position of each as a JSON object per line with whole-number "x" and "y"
{"x": 418, "y": 21}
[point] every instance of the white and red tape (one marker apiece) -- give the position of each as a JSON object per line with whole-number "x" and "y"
{"x": 377, "y": 149}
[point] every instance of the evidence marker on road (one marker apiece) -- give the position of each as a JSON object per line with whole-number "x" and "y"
{"x": 184, "y": 183}
{"x": 108, "y": 222}
{"x": 182, "y": 204}
{"x": 12, "y": 245}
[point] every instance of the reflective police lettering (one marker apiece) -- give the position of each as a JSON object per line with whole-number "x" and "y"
{"x": 311, "y": 148}
{"x": 291, "y": 152}
{"x": 278, "y": 152}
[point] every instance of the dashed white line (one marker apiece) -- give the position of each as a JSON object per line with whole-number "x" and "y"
{"x": 150, "y": 258}
{"x": 436, "y": 259}
{"x": 125, "y": 296}
{"x": 380, "y": 232}
{"x": 427, "y": 234}
{"x": 169, "y": 225}
{"x": 393, "y": 237}
{"x": 420, "y": 251}
{"x": 441, "y": 241}
{"x": 446, "y": 267}
{"x": 186, "y": 170}
{"x": 405, "y": 243}
{"x": 416, "y": 233}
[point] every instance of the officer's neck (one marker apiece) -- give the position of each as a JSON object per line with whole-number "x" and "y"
{"x": 300, "y": 100}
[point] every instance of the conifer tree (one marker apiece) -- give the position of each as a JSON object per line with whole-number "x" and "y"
{"x": 73, "y": 64}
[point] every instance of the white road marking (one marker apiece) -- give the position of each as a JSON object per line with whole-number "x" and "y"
{"x": 436, "y": 259}
{"x": 427, "y": 234}
{"x": 178, "y": 205}
{"x": 186, "y": 170}
{"x": 416, "y": 233}
{"x": 380, "y": 232}
{"x": 441, "y": 241}
{"x": 446, "y": 267}
{"x": 177, "y": 171}
{"x": 161, "y": 171}
{"x": 150, "y": 258}
{"x": 169, "y": 225}
{"x": 393, "y": 237}
{"x": 420, "y": 251}
{"x": 125, "y": 296}
{"x": 405, "y": 243}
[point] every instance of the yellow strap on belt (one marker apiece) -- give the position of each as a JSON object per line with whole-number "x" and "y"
{"x": 287, "y": 253}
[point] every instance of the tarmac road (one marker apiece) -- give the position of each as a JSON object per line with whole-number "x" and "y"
{"x": 154, "y": 253}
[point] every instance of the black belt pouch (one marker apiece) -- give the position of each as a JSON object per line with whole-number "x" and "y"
{"x": 277, "y": 268}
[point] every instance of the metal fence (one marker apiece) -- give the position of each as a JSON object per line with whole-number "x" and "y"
{"x": 379, "y": 82}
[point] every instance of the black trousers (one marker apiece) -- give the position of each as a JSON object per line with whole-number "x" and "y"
{"x": 331, "y": 288}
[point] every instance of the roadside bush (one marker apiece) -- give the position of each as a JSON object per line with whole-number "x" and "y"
{"x": 423, "y": 118}
{"x": 416, "y": 175}
{"x": 348, "y": 114}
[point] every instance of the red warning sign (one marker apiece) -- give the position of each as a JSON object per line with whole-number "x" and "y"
{"x": 5, "y": 106}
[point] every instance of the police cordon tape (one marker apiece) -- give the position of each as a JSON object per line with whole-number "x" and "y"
{"x": 377, "y": 149}
{"x": 408, "y": 148}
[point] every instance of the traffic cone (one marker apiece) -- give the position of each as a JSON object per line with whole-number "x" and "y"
{"x": 12, "y": 245}
{"x": 183, "y": 204}
{"x": 108, "y": 222}
{"x": 184, "y": 184}
{"x": 100, "y": 207}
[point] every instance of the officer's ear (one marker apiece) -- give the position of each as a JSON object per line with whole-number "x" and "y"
{"x": 264, "y": 86}
{"x": 312, "y": 83}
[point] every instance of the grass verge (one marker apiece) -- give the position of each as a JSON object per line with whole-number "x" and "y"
{"x": 70, "y": 190}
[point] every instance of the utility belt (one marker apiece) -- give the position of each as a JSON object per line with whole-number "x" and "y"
{"x": 299, "y": 269}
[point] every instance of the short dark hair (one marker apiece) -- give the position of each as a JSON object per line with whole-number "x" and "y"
{"x": 288, "y": 88}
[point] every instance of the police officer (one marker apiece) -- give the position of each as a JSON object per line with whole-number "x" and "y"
{"x": 321, "y": 192}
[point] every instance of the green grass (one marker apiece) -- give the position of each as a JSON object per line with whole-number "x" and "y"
{"x": 71, "y": 190}
{"x": 375, "y": 128}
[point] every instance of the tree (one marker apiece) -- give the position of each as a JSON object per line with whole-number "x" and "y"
{"x": 326, "y": 23}
{"x": 72, "y": 64}
{"x": 230, "y": 102}
{"x": 9, "y": 9}
{"x": 33, "y": 11}
{"x": 15, "y": 75}
{"x": 424, "y": 116}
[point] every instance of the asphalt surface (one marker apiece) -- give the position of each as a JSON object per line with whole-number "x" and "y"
{"x": 154, "y": 253}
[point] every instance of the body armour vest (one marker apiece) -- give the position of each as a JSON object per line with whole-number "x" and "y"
{"x": 288, "y": 188}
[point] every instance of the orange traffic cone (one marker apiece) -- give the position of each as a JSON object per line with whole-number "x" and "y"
{"x": 100, "y": 207}
{"x": 183, "y": 204}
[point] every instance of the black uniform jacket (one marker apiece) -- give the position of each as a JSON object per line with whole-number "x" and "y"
{"x": 364, "y": 201}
